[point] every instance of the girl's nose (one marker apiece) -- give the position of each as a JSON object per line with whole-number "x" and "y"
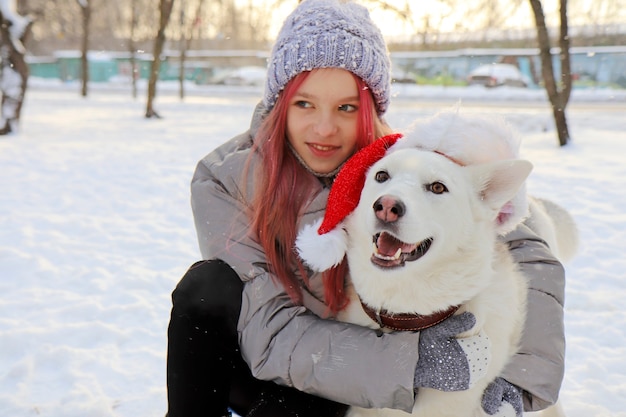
{"x": 325, "y": 125}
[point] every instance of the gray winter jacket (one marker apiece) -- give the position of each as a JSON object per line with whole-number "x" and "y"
{"x": 300, "y": 347}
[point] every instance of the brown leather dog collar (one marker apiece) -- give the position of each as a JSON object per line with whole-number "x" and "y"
{"x": 406, "y": 321}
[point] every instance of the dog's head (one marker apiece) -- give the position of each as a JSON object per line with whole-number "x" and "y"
{"x": 472, "y": 139}
{"x": 423, "y": 224}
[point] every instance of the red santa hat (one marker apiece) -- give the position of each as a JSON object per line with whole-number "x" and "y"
{"x": 323, "y": 244}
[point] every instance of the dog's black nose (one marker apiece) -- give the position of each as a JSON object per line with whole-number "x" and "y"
{"x": 389, "y": 209}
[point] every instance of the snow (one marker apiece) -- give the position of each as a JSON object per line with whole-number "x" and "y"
{"x": 96, "y": 230}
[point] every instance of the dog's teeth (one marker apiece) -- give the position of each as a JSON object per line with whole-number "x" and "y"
{"x": 379, "y": 255}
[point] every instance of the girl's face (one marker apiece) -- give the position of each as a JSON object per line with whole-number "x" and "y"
{"x": 322, "y": 119}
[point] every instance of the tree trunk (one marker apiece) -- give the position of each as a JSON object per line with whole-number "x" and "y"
{"x": 165, "y": 8}
{"x": 85, "y": 8}
{"x": 181, "y": 71}
{"x": 558, "y": 96}
{"x": 132, "y": 49}
{"x": 186, "y": 36}
{"x": 13, "y": 70}
{"x": 564, "y": 43}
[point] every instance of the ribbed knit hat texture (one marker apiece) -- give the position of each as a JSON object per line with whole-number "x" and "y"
{"x": 330, "y": 34}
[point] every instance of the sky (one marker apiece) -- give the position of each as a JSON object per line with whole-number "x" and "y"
{"x": 96, "y": 230}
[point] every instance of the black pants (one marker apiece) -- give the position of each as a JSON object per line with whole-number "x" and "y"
{"x": 206, "y": 374}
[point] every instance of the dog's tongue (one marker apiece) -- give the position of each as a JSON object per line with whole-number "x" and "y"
{"x": 388, "y": 245}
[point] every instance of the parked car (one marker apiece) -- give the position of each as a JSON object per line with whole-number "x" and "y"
{"x": 495, "y": 75}
{"x": 250, "y": 75}
{"x": 403, "y": 77}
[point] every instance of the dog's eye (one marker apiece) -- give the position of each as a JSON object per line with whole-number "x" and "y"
{"x": 437, "y": 188}
{"x": 381, "y": 176}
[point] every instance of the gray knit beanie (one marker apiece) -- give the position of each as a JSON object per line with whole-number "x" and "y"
{"x": 330, "y": 34}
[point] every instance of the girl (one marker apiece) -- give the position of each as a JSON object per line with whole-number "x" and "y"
{"x": 250, "y": 330}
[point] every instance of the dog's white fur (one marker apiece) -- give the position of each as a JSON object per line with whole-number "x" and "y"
{"x": 466, "y": 263}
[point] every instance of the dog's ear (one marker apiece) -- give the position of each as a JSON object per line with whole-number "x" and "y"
{"x": 498, "y": 182}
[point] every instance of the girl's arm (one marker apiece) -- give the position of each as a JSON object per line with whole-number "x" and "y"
{"x": 343, "y": 362}
{"x": 538, "y": 367}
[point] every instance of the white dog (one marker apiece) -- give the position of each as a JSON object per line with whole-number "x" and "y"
{"x": 434, "y": 205}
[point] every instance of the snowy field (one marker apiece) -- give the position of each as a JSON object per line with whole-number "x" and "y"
{"x": 96, "y": 230}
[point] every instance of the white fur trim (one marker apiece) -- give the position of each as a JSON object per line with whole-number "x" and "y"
{"x": 321, "y": 252}
{"x": 471, "y": 139}
{"x": 468, "y": 138}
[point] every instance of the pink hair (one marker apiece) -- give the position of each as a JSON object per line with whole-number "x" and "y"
{"x": 284, "y": 187}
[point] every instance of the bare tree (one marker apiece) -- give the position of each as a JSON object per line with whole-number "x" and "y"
{"x": 558, "y": 93}
{"x": 85, "y": 12}
{"x": 131, "y": 46}
{"x": 165, "y": 10}
{"x": 183, "y": 44}
{"x": 134, "y": 23}
{"x": 13, "y": 70}
{"x": 187, "y": 27}
{"x": 425, "y": 28}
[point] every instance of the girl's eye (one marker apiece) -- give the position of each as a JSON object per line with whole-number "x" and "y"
{"x": 437, "y": 188}
{"x": 381, "y": 176}
{"x": 302, "y": 104}
{"x": 348, "y": 108}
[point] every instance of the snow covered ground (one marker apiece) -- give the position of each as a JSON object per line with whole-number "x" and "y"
{"x": 96, "y": 230}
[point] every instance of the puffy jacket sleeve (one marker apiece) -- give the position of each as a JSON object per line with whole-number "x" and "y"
{"x": 347, "y": 363}
{"x": 283, "y": 342}
{"x": 538, "y": 367}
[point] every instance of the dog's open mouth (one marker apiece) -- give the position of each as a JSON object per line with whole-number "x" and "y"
{"x": 390, "y": 252}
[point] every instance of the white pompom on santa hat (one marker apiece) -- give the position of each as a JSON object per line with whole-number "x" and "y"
{"x": 464, "y": 139}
